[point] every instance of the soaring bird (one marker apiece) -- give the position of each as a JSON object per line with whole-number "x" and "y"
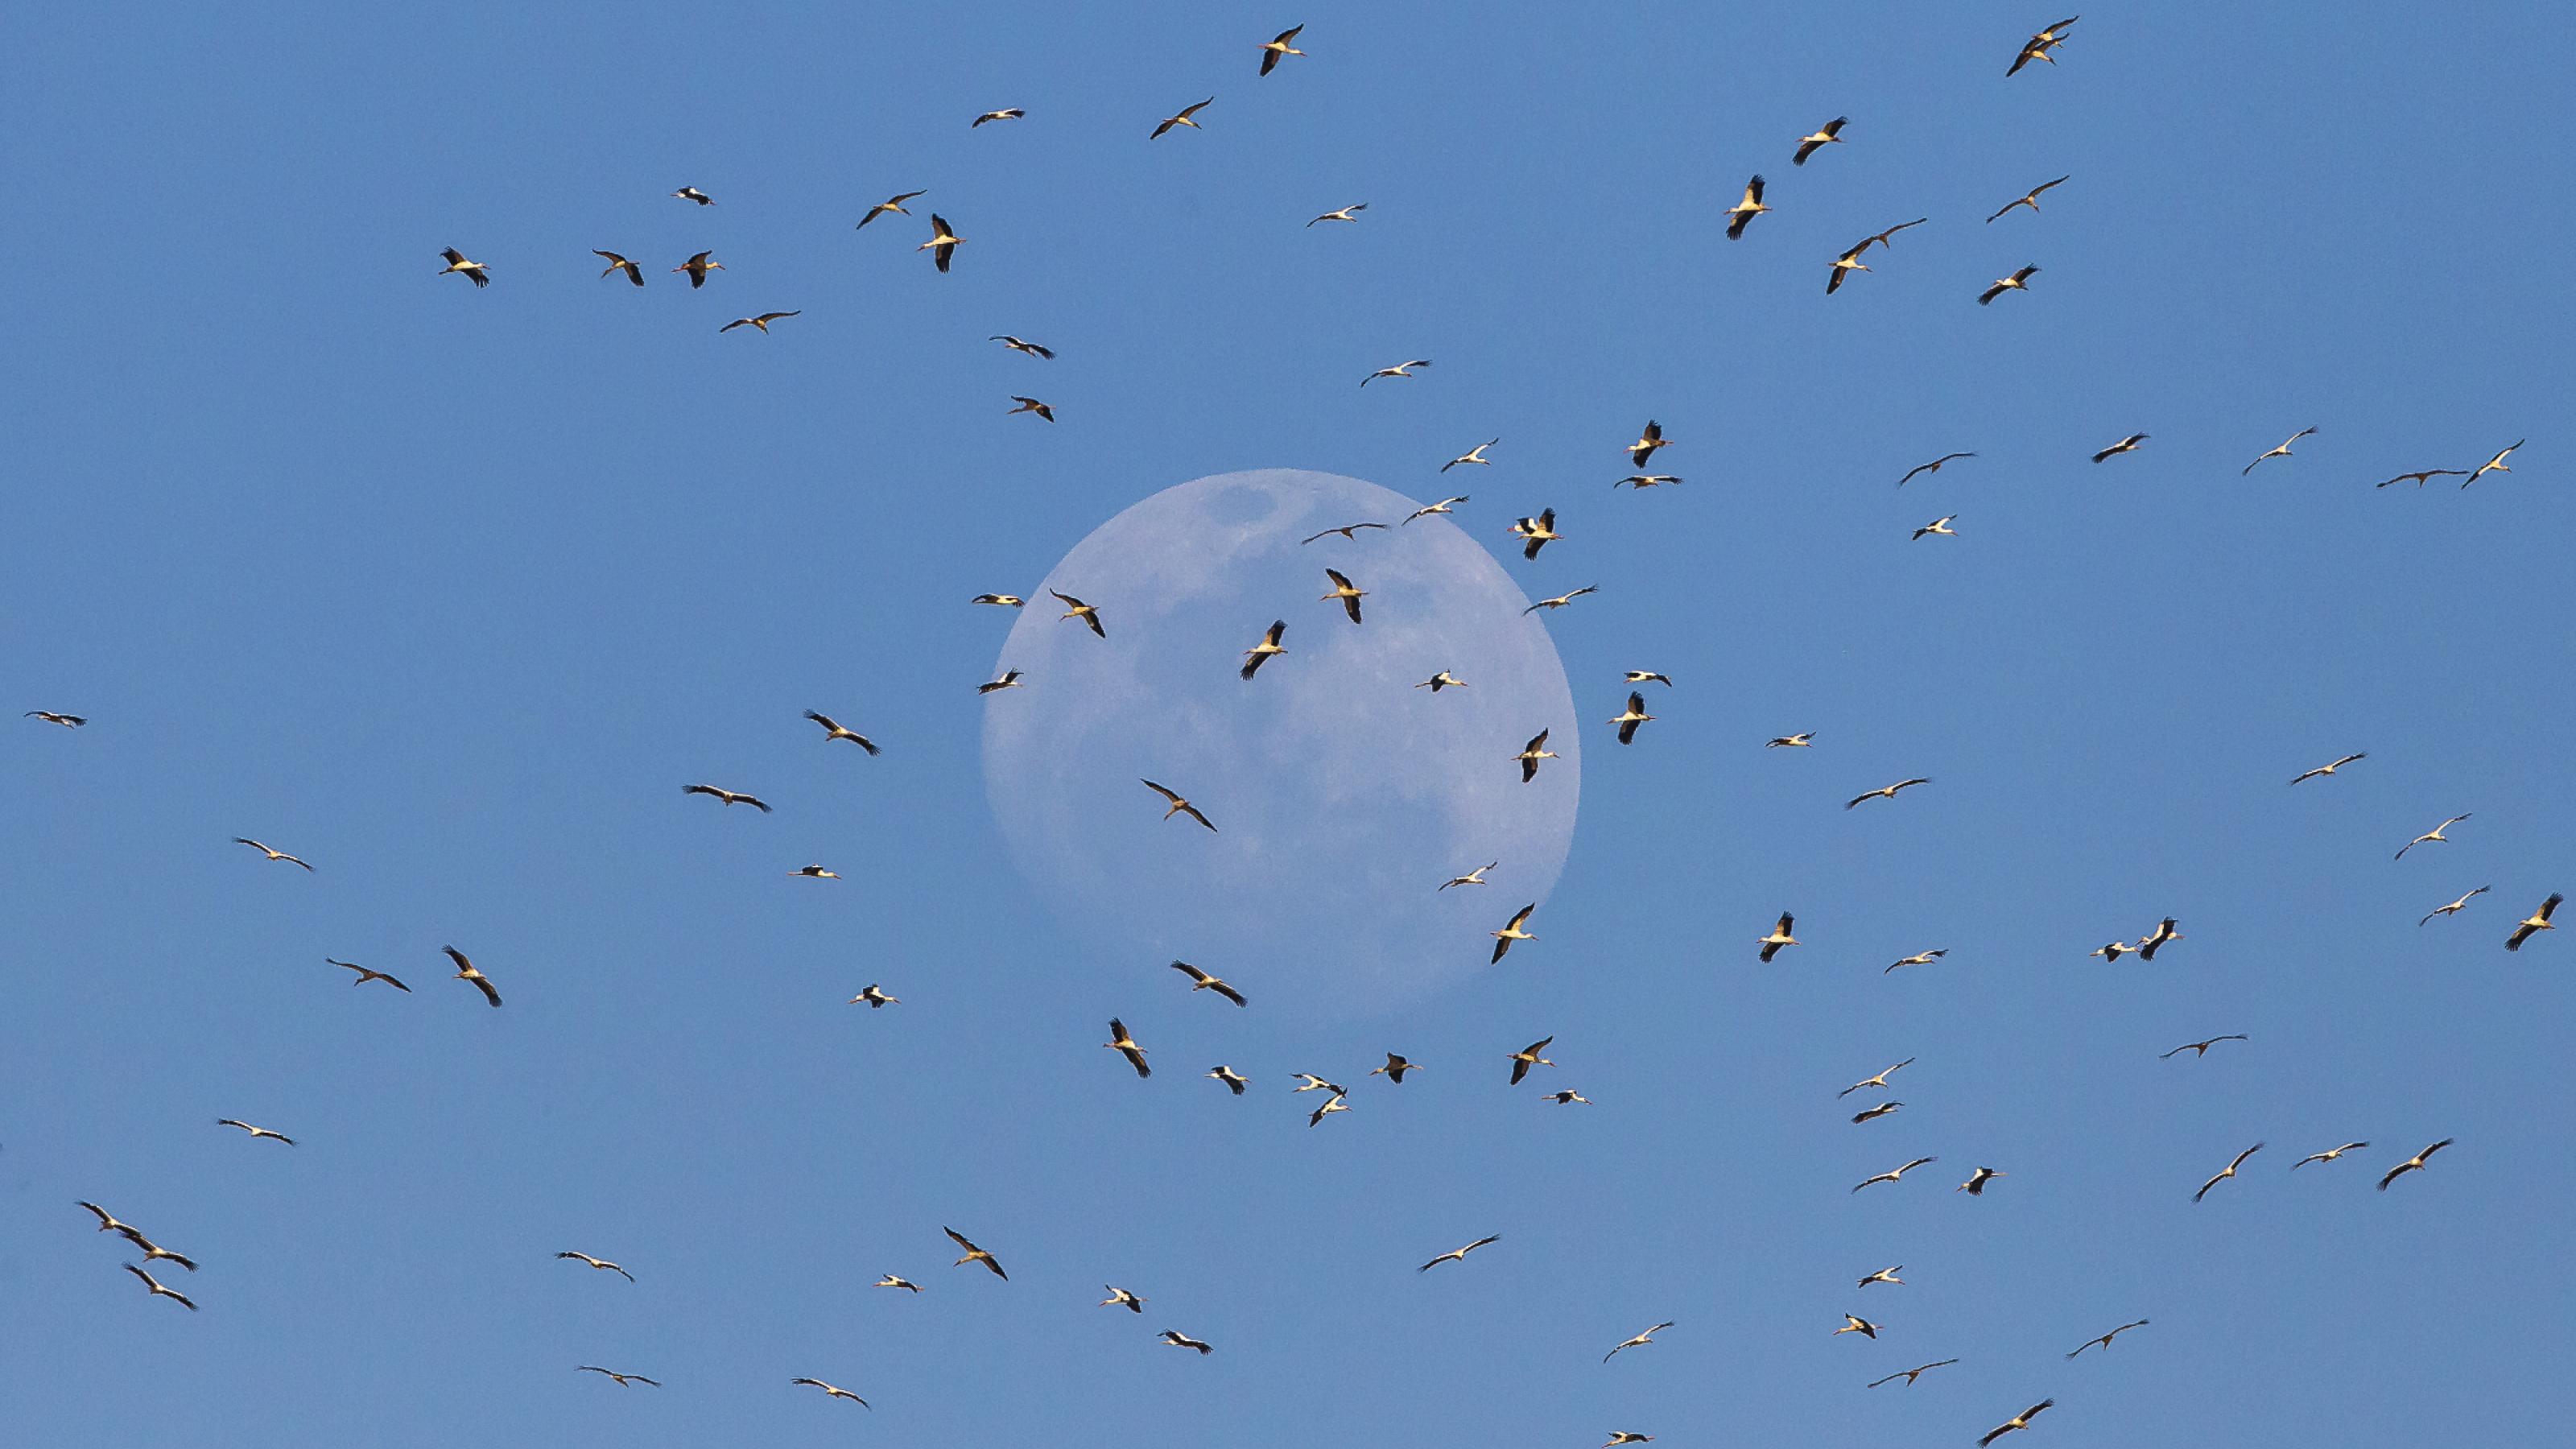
{"x": 622, "y": 1379}
{"x": 1234, "y": 1081}
{"x": 2128, "y": 444}
{"x": 1401, "y": 369}
{"x": 2017, "y": 282}
{"x": 1428, "y": 509}
{"x": 271, "y": 854}
{"x": 1010, "y": 680}
{"x": 600, "y": 1264}
{"x": 2226, "y": 1172}
{"x": 834, "y": 1391}
{"x": 2330, "y": 769}
{"x": 943, "y": 242}
{"x": 1648, "y": 676}
{"x": 1533, "y": 752}
{"x": 1932, "y": 467}
{"x": 158, "y": 1291}
{"x": 1442, "y": 680}
{"x": 1179, "y": 806}
{"x": 107, "y": 1222}
{"x": 1649, "y": 442}
{"x": 1855, "y": 1324}
{"x": 2017, "y": 1421}
{"x": 1536, "y": 533}
{"x": 1473, "y": 877}
{"x": 1076, "y": 609}
{"x": 834, "y": 730}
{"x": 2282, "y": 451}
{"x": 465, "y": 972}
{"x": 1628, "y": 719}
{"x": 1511, "y": 932}
{"x": 1178, "y": 1339}
{"x": 2495, "y": 464}
{"x": 2419, "y": 479}
{"x": 1475, "y": 455}
{"x": 1940, "y": 526}
{"x": 1975, "y": 1186}
{"x": 697, "y": 267}
{"x": 255, "y": 1132}
{"x": 1885, "y": 1275}
{"x": 1910, "y": 1375}
{"x": 1622, "y": 1436}
{"x": 1023, "y": 345}
{"x": 1895, "y": 1175}
{"x": 67, "y": 721}
{"x": 2154, "y": 941}
{"x": 1528, "y": 1057}
{"x": 1007, "y": 113}
{"x": 1919, "y": 958}
{"x": 1561, "y": 600}
{"x": 1348, "y": 531}
{"x": 1887, "y": 792}
{"x": 1347, "y": 213}
{"x": 2534, "y": 924}
{"x": 2433, "y": 836}
{"x": 2413, "y": 1164}
{"x": 1640, "y": 1341}
{"x": 1802, "y": 741}
{"x": 476, "y": 273}
{"x": 730, "y": 798}
{"x": 1121, "y": 1298}
{"x": 1202, "y": 981}
{"x": 874, "y": 995}
{"x": 1125, "y": 1045}
{"x": 1394, "y": 1070}
{"x": 1279, "y": 47}
{"x": 2200, "y": 1049}
{"x": 617, "y": 263}
{"x": 691, "y": 193}
{"x": 1741, "y": 214}
{"x": 975, "y": 1254}
{"x": 1828, "y": 134}
{"x": 1344, "y": 591}
{"x": 762, "y": 321}
{"x": 1002, "y": 601}
{"x": 152, "y": 1252}
{"x": 894, "y": 1281}
{"x": 2039, "y": 46}
{"x": 364, "y": 975}
{"x": 2329, "y": 1155}
{"x": 2104, "y": 1342}
{"x": 1779, "y": 937}
{"x": 815, "y": 872}
{"x": 2029, "y": 199}
{"x": 892, "y": 204}
{"x": 1183, "y": 119}
{"x": 1877, "y": 1081}
{"x": 1338, "y": 1102}
{"x": 1259, "y": 654}
{"x": 1458, "y": 1255}
{"x": 1883, "y": 1109}
{"x": 1643, "y": 481}
{"x": 1045, "y": 411}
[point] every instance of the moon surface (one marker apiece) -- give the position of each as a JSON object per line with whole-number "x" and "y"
{"x": 1342, "y": 794}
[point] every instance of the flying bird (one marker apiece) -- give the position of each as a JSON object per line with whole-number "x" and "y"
{"x": 815, "y": 872}
{"x": 892, "y": 1281}
{"x": 1511, "y": 931}
{"x": 1886, "y": 792}
{"x": 2495, "y": 464}
{"x": 1338, "y": 1102}
{"x": 1561, "y": 600}
{"x": 1121, "y": 1298}
{"x": 67, "y": 721}
{"x": 1010, "y": 680}
{"x": 697, "y": 267}
{"x": 762, "y": 321}
{"x": 2104, "y": 1342}
{"x": 2113, "y": 951}
{"x": 1643, "y": 481}
{"x": 2017, "y": 282}
{"x": 2282, "y": 451}
{"x": 1259, "y": 654}
{"x": 1975, "y": 1186}
{"x": 1634, "y": 715}
{"x": 476, "y": 273}
{"x": 1202, "y": 981}
{"x": 2534, "y": 924}
{"x": 977, "y": 1255}
{"x": 691, "y": 193}
{"x": 1428, "y": 509}
{"x": 255, "y": 1132}
{"x": 1877, "y": 1081}
{"x": 2330, "y": 769}
{"x": 1932, "y": 467}
{"x": 1910, "y": 1375}
{"x": 1829, "y": 134}
{"x": 107, "y": 1222}
{"x": 271, "y": 854}
{"x": 1347, "y": 213}
{"x": 1533, "y": 752}
{"x": 1125, "y": 1045}
{"x": 1528, "y": 1057}
{"x": 1648, "y": 443}
{"x": 2413, "y": 1164}
{"x": 730, "y": 798}
{"x": 465, "y": 972}
{"x": 2329, "y": 1155}
{"x": 943, "y": 242}
{"x": 364, "y": 975}
{"x": 1178, "y": 1339}
{"x": 1475, "y": 455}
{"x": 2226, "y": 1172}
{"x": 1179, "y": 806}
{"x": 1005, "y": 601}
{"x": 1885, "y": 1275}
{"x": 2039, "y": 46}
{"x": 892, "y": 204}
{"x": 1854, "y": 1324}
{"x": 1567, "y": 1098}
{"x": 834, "y": 1391}
{"x": 1442, "y": 680}
{"x": 1076, "y": 609}
{"x": 1349, "y": 532}
{"x": 617, "y": 263}
{"x": 2155, "y": 940}
{"x": 1280, "y": 47}
{"x": 1044, "y": 411}
{"x": 876, "y": 998}
{"x": 1536, "y": 533}
{"x": 1401, "y": 369}
{"x": 1640, "y": 1341}
{"x": 1741, "y": 214}
{"x": 1803, "y": 741}
{"x": 1234, "y": 1081}
{"x": 1894, "y": 1176}
{"x": 1940, "y": 526}
{"x": 1919, "y": 958}
{"x": 1458, "y": 1255}
{"x": 1023, "y": 345}
{"x": 1778, "y": 938}
{"x": 1648, "y": 676}
{"x": 599, "y": 1264}
{"x": 2017, "y": 1421}
{"x": 1343, "y": 590}
{"x": 1622, "y": 1436}
{"x": 622, "y": 1379}
{"x": 2430, "y": 837}
{"x": 158, "y": 1291}
{"x": 2128, "y": 444}
{"x": 2200, "y": 1049}
{"x": 1008, "y": 113}
{"x": 1309, "y": 1082}
{"x": 1183, "y": 119}
{"x": 2419, "y": 479}
{"x": 834, "y": 730}
{"x": 1883, "y": 1109}
{"x": 2029, "y": 199}
{"x": 1394, "y": 1070}
{"x": 1473, "y": 877}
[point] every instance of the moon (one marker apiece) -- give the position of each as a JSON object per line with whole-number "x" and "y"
{"x": 1342, "y": 794}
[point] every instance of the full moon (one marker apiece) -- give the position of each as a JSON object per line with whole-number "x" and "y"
{"x": 1343, "y": 795}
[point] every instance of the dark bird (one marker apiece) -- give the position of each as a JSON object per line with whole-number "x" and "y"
{"x": 617, "y": 263}
{"x": 465, "y": 972}
{"x": 2017, "y": 1421}
{"x": 2330, "y": 769}
{"x": 697, "y": 267}
{"x": 1394, "y": 1070}
{"x": 1975, "y": 1186}
{"x": 67, "y": 721}
{"x": 1125, "y": 1045}
{"x": 874, "y": 995}
{"x": 1887, "y": 792}
{"x": 2419, "y": 479}
{"x": 255, "y": 1132}
{"x": 1179, "y": 806}
{"x": 1344, "y": 591}
{"x": 977, "y": 1255}
{"x": 1830, "y": 133}
{"x": 2413, "y": 1164}
{"x": 1201, "y": 981}
{"x": 2030, "y": 199}
{"x": 943, "y": 242}
{"x": 2227, "y": 1172}
{"x": 1279, "y": 47}
{"x": 2533, "y": 925}
{"x": 691, "y": 193}
{"x": 729, "y": 797}
{"x": 1932, "y": 467}
{"x": 1533, "y": 752}
{"x": 1178, "y": 1339}
{"x": 1741, "y": 214}
{"x": 1458, "y": 1255}
{"x": 1778, "y": 938}
{"x": 1347, "y": 531}
{"x": 271, "y": 854}
{"x": 833, "y": 730}
{"x": 893, "y": 204}
{"x": 364, "y": 975}
{"x": 158, "y": 1291}
{"x": 1259, "y": 654}
{"x": 762, "y": 321}
{"x": 1044, "y": 411}
{"x": 2199, "y": 1049}
{"x": 1183, "y": 119}
{"x": 622, "y": 1379}
{"x": 476, "y": 273}
{"x": 600, "y": 1264}
{"x": 831, "y": 1391}
{"x": 1528, "y": 1057}
{"x": 2104, "y": 1342}
{"x": 1910, "y": 1375}
{"x": 2017, "y": 282}
{"x": 2128, "y": 444}
{"x": 1022, "y": 344}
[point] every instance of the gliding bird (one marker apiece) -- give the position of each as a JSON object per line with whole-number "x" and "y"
{"x": 1179, "y": 805}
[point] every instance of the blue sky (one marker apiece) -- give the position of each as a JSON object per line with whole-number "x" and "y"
{"x": 448, "y": 590}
